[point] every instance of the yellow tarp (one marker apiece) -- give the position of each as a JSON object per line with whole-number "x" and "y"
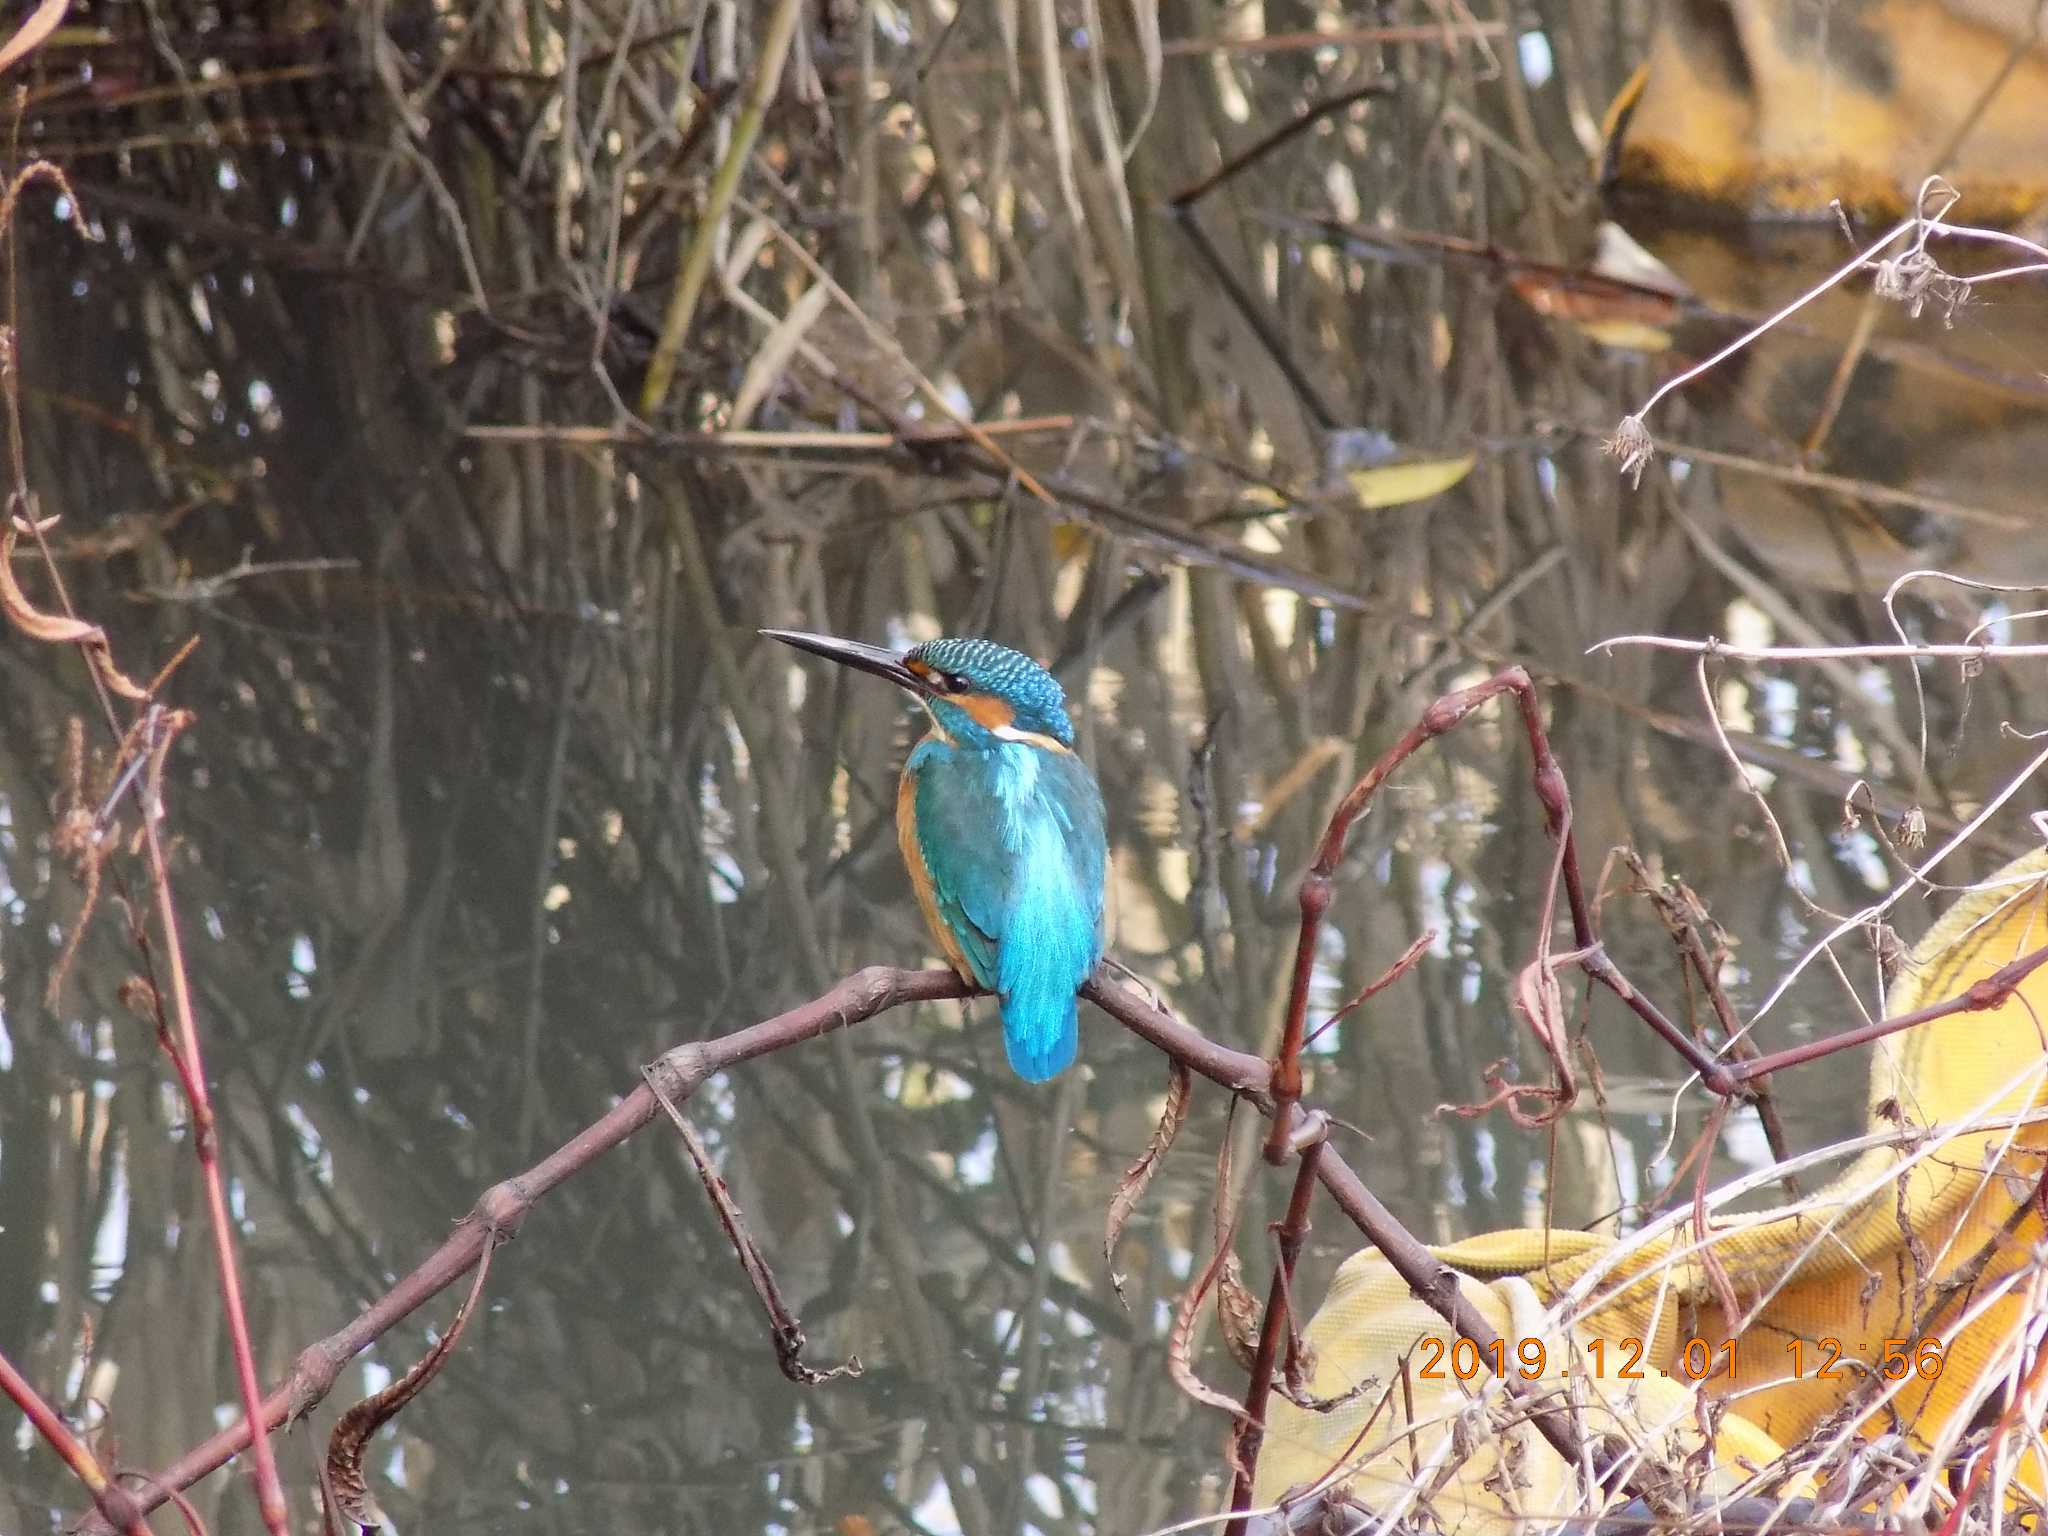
{"x": 1855, "y": 1273}
{"x": 1766, "y": 107}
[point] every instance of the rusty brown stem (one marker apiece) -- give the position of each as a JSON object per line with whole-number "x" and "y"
{"x": 1680, "y": 924}
{"x": 1442, "y": 716}
{"x": 784, "y": 1328}
{"x": 1410, "y": 958}
{"x": 191, "y": 1069}
{"x": 1278, "y": 1326}
{"x": 158, "y": 728}
{"x": 117, "y": 1506}
{"x": 1717, "y": 1075}
{"x": 1991, "y": 992}
{"x": 1255, "y": 316}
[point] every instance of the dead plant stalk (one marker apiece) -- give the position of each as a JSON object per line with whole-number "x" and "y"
{"x": 695, "y": 266}
{"x": 153, "y": 733}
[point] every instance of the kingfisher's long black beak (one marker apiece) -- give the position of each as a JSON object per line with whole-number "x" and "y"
{"x": 879, "y": 660}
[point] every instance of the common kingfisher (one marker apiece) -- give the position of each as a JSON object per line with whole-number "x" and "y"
{"x": 1000, "y": 823}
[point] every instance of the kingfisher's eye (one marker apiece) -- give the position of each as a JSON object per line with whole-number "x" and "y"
{"x": 952, "y": 682}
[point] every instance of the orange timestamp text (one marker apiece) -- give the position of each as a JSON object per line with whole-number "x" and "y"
{"x": 1697, "y": 1360}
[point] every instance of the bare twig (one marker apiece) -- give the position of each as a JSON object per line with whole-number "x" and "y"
{"x": 35, "y": 27}
{"x": 205, "y": 1134}
{"x": 1443, "y": 715}
{"x": 1911, "y": 277}
{"x": 1410, "y": 957}
{"x": 1990, "y": 992}
{"x": 1278, "y": 1326}
{"x": 501, "y": 1209}
{"x": 1979, "y": 652}
{"x": 1678, "y": 913}
{"x": 1299, "y": 124}
{"x": 116, "y": 1505}
{"x": 783, "y": 1326}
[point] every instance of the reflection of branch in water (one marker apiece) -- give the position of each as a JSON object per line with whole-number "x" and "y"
{"x": 204, "y": 589}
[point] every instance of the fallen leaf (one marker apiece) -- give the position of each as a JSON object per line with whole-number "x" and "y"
{"x": 1624, "y": 315}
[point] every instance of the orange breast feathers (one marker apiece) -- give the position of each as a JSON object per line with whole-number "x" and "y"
{"x": 921, "y": 877}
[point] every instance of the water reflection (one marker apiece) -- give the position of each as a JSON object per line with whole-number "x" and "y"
{"x": 495, "y": 796}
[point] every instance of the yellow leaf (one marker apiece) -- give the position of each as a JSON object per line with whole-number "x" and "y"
{"x": 1263, "y": 497}
{"x": 1628, "y": 335}
{"x": 1395, "y": 485}
{"x": 1071, "y": 541}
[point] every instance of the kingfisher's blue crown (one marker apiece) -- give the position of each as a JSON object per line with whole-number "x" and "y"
{"x": 982, "y": 666}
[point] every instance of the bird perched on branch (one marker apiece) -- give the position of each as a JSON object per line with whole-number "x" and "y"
{"x": 1000, "y": 823}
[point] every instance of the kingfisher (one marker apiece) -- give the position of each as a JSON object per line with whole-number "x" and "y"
{"x": 1001, "y": 826}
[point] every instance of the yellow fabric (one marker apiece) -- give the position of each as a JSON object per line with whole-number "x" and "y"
{"x": 1475, "y": 1464}
{"x": 1858, "y": 1262}
{"x": 1769, "y": 108}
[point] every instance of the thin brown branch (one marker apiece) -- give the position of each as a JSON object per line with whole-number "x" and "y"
{"x": 1246, "y": 158}
{"x": 1540, "y": 1002}
{"x": 757, "y": 441}
{"x": 1254, "y": 315}
{"x": 1410, "y": 957}
{"x": 784, "y": 1328}
{"x": 117, "y": 1506}
{"x": 35, "y": 27}
{"x": 1990, "y": 992}
{"x": 1277, "y": 1327}
{"x": 501, "y": 1209}
{"x": 1442, "y": 716}
{"x": 1681, "y": 913}
{"x": 205, "y": 1136}
{"x": 1718, "y": 1077}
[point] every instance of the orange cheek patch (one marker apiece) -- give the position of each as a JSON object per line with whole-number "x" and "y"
{"x": 986, "y": 710}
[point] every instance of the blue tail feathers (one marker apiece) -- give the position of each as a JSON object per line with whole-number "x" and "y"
{"x": 1040, "y": 1034}
{"x": 1050, "y": 940}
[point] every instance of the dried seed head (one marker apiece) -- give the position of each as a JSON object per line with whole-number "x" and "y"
{"x": 1913, "y": 277}
{"x": 1913, "y": 830}
{"x": 1633, "y": 445}
{"x": 139, "y": 998}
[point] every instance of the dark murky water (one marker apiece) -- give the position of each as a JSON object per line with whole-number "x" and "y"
{"x": 508, "y": 798}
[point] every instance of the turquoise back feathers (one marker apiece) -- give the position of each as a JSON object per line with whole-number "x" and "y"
{"x": 1001, "y": 826}
{"x": 1005, "y": 846}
